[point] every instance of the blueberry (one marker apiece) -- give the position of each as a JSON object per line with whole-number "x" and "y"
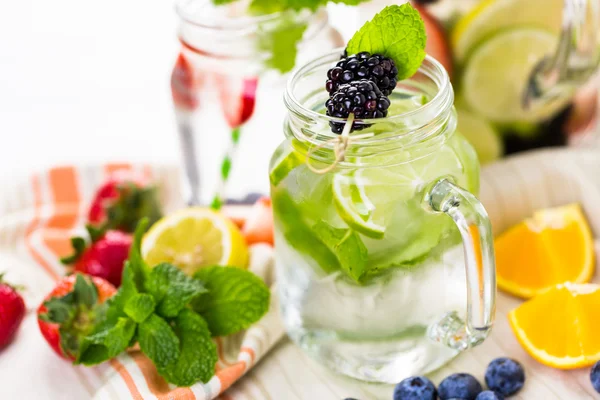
{"x": 489, "y": 395}
{"x": 415, "y": 388}
{"x": 505, "y": 376}
{"x": 459, "y": 386}
{"x": 595, "y": 376}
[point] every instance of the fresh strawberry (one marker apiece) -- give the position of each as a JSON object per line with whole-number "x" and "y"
{"x": 184, "y": 86}
{"x": 104, "y": 257}
{"x": 122, "y": 201}
{"x": 12, "y": 311}
{"x": 238, "y": 97}
{"x": 437, "y": 42}
{"x": 69, "y": 312}
{"x": 258, "y": 228}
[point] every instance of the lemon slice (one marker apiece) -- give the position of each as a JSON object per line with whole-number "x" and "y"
{"x": 492, "y": 16}
{"x": 193, "y": 238}
{"x": 496, "y": 75}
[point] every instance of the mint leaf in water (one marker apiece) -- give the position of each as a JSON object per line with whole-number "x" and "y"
{"x": 198, "y": 352}
{"x": 235, "y": 300}
{"x": 107, "y": 343}
{"x": 347, "y": 246}
{"x": 158, "y": 341}
{"x": 139, "y": 307}
{"x": 172, "y": 289}
{"x": 280, "y": 43}
{"x": 397, "y": 32}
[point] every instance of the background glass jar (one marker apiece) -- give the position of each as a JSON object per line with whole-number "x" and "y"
{"x": 227, "y": 92}
{"x": 371, "y": 273}
{"x": 521, "y": 68}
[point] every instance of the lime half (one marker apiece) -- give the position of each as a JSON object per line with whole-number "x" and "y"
{"x": 492, "y": 16}
{"x": 496, "y": 76}
{"x": 482, "y": 135}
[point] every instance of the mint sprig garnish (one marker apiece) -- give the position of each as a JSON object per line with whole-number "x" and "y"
{"x": 153, "y": 308}
{"x": 397, "y": 32}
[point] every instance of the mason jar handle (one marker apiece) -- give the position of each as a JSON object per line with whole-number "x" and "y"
{"x": 474, "y": 225}
{"x": 576, "y": 57}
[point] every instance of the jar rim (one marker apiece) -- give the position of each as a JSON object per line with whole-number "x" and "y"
{"x": 438, "y": 106}
{"x": 221, "y": 23}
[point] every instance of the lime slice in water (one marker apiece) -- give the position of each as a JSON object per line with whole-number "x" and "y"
{"x": 284, "y": 163}
{"x": 496, "y": 75}
{"x": 368, "y": 199}
{"x": 481, "y": 134}
{"x": 492, "y": 16}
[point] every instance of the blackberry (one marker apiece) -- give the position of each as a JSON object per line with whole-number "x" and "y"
{"x": 376, "y": 68}
{"x": 362, "y": 98}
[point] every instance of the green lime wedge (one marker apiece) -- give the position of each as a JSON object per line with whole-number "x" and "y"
{"x": 481, "y": 134}
{"x": 492, "y": 16}
{"x": 497, "y": 73}
{"x": 284, "y": 163}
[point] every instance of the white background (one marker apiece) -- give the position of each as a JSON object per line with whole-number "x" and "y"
{"x": 88, "y": 81}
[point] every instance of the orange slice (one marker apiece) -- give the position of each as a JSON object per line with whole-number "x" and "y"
{"x": 552, "y": 247}
{"x": 559, "y": 327}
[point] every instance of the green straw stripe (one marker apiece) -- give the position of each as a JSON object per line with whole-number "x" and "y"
{"x": 235, "y": 135}
{"x": 225, "y": 168}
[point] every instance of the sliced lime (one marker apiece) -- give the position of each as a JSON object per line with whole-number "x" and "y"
{"x": 496, "y": 75}
{"x": 481, "y": 134}
{"x": 492, "y": 16}
{"x": 284, "y": 162}
{"x": 370, "y": 199}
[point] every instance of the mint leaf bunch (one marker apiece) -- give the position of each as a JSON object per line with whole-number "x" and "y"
{"x": 173, "y": 317}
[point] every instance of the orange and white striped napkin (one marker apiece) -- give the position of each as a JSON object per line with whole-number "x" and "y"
{"x": 37, "y": 218}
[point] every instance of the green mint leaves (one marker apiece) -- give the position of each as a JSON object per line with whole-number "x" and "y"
{"x": 347, "y": 247}
{"x": 172, "y": 316}
{"x": 236, "y": 298}
{"x": 198, "y": 352}
{"x": 280, "y": 44}
{"x": 172, "y": 289}
{"x": 397, "y": 32}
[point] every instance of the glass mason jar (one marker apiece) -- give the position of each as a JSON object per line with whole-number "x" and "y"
{"x": 372, "y": 276}
{"x": 227, "y": 93}
{"x": 519, "y": 68}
